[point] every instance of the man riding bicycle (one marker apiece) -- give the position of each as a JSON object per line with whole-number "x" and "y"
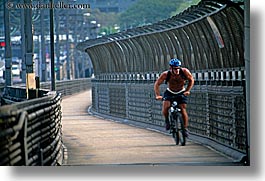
{"x": 176, "y": 78}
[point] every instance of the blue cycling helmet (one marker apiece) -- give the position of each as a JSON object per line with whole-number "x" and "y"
{"x": 175, "y": 62}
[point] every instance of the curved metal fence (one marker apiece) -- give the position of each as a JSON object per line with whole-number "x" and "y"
{"x": 209, "y": 39}
{"x": 30, "y": 132}
{"x": 69, "y": 87}
{"x": 207, "y": 36}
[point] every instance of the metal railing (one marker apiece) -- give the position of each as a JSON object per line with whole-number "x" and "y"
{"x": 209, "y": 35}
{"x": 31, "y": 130}
{"x": 216, "y": 106}
{"x": 69, "y": 87}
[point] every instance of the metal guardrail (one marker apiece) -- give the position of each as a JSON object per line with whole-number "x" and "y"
{"x": 31, "y": 130}
{"x": 69, "y": 87}
{"x": 216, "y": 106}
{"x": 64, "y": 87}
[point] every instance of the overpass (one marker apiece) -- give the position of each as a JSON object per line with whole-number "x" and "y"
{"x": 209, "y": 38}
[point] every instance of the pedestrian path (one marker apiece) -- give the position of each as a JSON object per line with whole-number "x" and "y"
{"x": 93, "y": 140}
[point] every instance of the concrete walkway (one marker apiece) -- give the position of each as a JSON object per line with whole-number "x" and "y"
{"x": 92, "y": 140}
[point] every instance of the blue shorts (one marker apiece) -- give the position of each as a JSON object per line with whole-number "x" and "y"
{"x": 180, "y": 98}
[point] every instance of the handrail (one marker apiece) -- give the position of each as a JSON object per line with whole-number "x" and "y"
{"x": 34, "y": 137}
{"x": 15, "y": 128}
{"x": 30, "y": 130}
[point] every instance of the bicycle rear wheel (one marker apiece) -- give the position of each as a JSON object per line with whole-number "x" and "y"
{"x": 181, "y": 131}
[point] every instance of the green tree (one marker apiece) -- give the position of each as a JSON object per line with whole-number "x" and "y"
{"x": 105, "y": 19}
{"x": 108, "y": 21}
{"x": 185, "y": 5}
{"x": 148, "y": 11}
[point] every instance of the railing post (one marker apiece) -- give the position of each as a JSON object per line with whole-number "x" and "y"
{"x": 24, "y": 135}
{"x": 247, "y": 84}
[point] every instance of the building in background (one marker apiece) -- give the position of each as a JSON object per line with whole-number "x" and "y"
{"x": 71, "y": 26}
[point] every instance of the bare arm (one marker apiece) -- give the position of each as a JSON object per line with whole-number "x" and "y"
{"x": 191, "y": 81}
{"x": 157, "y": 84}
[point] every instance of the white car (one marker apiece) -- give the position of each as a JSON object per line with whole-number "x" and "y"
{"x": 15, "y": 70}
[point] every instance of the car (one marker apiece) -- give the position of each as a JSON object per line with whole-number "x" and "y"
{"x": 15, "y": 70}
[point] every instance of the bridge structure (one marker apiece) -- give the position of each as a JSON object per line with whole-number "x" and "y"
{"x": 208, "y": 38}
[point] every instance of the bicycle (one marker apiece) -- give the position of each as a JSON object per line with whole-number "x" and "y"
{"x": 176, "y": 124}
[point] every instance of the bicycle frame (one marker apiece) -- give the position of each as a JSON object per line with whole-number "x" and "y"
{"x": 176, "y": 124}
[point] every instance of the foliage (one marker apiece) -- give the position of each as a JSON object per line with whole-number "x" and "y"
{"x": 185, "y": 5}
{"x": 140, "y": 13}
{"x": 148, "y": 11}
{"x": 105, "y": 19}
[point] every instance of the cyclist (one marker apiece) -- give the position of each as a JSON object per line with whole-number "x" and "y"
{"x": 176, "y": 78}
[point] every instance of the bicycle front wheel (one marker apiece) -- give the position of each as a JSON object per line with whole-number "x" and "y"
{"x": 175, "y": 136}
{"x": 173, "y": 128}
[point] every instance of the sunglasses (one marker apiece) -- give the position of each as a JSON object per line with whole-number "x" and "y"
{"x": 175, "y": 68}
